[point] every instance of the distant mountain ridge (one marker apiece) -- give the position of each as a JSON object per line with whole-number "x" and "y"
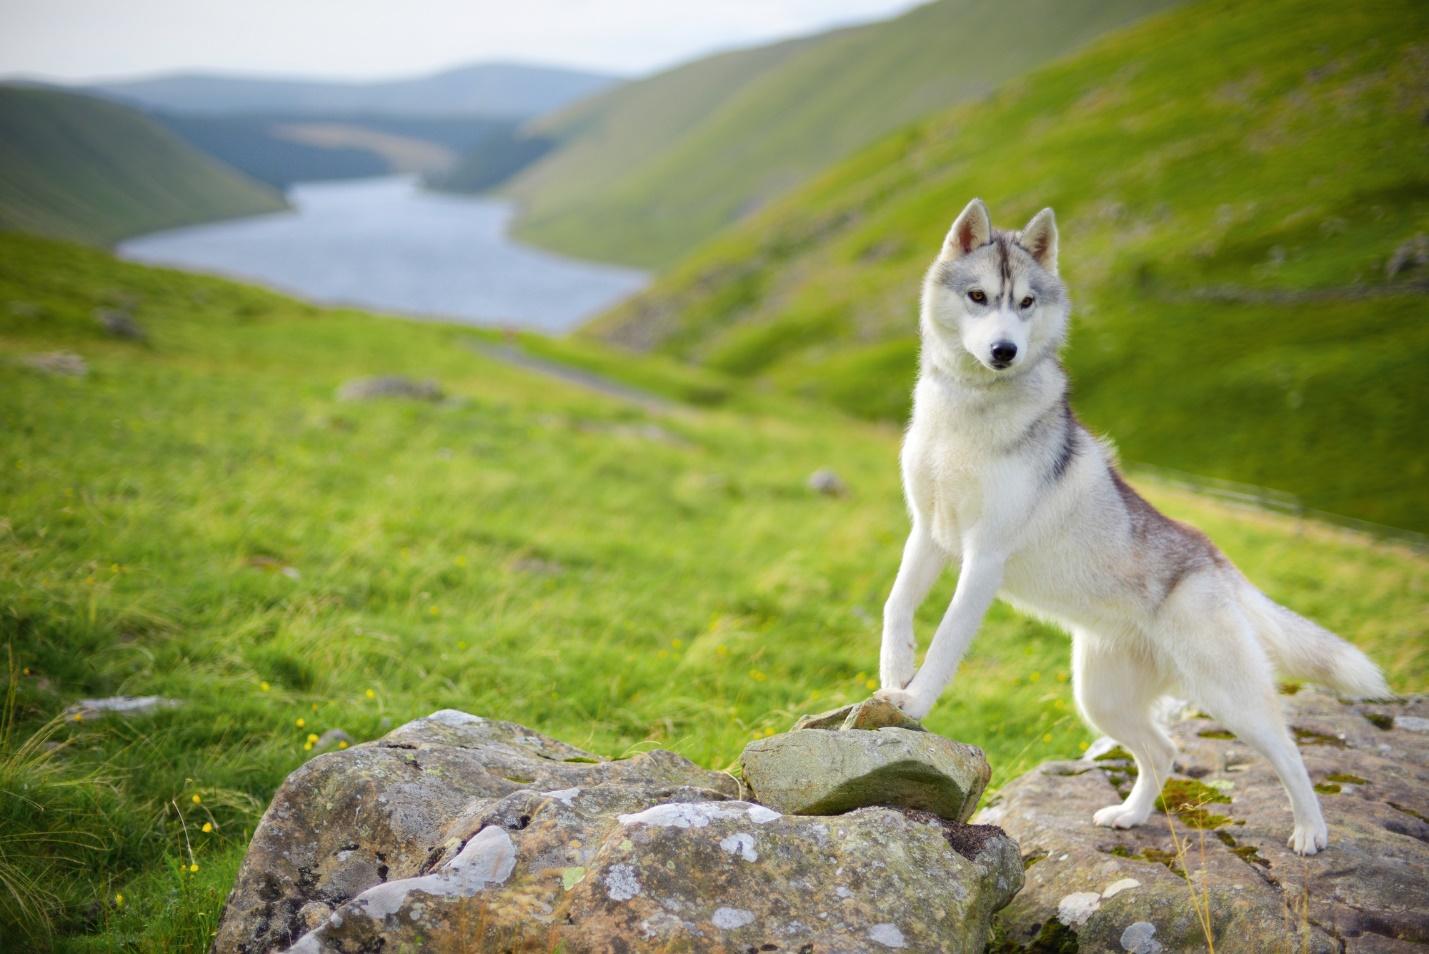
{"x": 85, "y": 169}
{"x": 510, "y": 90}
{"x": 644, "y": 172}
{"x": 281, "y": 149}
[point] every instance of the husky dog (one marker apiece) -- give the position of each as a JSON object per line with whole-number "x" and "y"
{"x": 1001, "y": 476}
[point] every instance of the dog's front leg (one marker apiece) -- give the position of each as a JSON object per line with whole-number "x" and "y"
{"x": 977, "y": 586}
{"x": 922, "y": 562}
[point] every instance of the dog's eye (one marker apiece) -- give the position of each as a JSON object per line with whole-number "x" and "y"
{"x": 1027, "y": 302}
{"x": 978, "y": 297}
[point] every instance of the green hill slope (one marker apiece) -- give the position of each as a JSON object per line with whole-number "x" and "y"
{"x": 201, "y": 517}
{"x": 1233, "y": 184}
{"x": 652, "y": 168}
{"x": 81, "y": 168}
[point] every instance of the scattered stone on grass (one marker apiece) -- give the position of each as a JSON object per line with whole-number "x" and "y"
{"x": 64, "y": 364}
{"x": 390, "y": 386}
{"x": 825, "y": 481}
{"x": 124, "y": 706}
{"x": 120, "y": 323}
{"x": 1365, "y": 893}
{"x": 330, "y": 739}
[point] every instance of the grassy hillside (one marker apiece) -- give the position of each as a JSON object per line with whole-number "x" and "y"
{"x": 651, "y": 169}
{"x": 1234, "y": 185}
{"x": 80, "y": 168}
{"x": 605, "y": 134}
{"x": 200, "y": 517}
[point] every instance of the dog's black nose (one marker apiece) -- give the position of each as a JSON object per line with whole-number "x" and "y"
{"x": 1003, "y": 352}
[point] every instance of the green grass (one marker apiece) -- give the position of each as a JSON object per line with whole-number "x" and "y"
{"x": 1231, "y": 181}
{"x": 527, "y": 550}
{"x": 647, "y": 171}
{"x": 84, "y": 169}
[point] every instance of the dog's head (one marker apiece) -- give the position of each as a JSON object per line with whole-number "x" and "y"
{"x": 993, "y": 305}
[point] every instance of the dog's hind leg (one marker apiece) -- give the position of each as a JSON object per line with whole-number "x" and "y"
{"x": 1223, "y": 668}
{"x": 1116, "y": 686}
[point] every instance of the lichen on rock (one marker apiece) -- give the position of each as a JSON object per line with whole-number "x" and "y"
{"x": 1223, "y": 849}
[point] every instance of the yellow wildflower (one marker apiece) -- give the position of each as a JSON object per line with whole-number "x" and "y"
{"x": 372, "y": 693}
{"x": 342, "y": 743}
{"x": 307, "y": 746}
{"x": 300, "y": 722}
{"x": 207, "y": 827}
{"x": 264, "y": 687}
{"x": 196, "y": 799}
{"x": 79, "y": 717}
{"x": 870, "y": 684}
{"x": 1046, "y": 737}
{"x": 118, "y": 900}
{"x": 193, "y": 868}
{"x": 313, "y": 737}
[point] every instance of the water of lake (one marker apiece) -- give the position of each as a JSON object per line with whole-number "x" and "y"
{"x": 388, "y": 245}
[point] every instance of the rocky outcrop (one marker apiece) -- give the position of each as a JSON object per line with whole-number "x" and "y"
{"x": 1219, "y": 864}
{"x": 455, "y": 833}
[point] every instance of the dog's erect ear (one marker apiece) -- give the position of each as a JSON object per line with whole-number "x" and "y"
{"x": 1040, "y": 238}
{"x": 971, "y": 229}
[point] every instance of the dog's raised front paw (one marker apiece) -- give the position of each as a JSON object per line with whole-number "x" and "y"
{"x": 910, "y": 703}
{"x": 1118, "y": 816}
{"x": 1308, "y": 839}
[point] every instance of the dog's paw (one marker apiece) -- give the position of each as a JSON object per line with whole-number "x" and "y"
{"x": 1118, "y": 816}
{"x": 911, "y": 704}
{"x": 1308, "y": 839}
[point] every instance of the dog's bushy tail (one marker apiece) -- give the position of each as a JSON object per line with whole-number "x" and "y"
{"x": 1304, "y": 650}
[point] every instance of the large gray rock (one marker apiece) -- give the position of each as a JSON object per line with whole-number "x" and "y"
{"x": 1227, "y": 870}
{"x": 459, "y": 834}
{"x": 819, "y": 770}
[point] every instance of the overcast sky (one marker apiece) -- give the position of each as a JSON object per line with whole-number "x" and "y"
{"x": 363, "y": 39}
